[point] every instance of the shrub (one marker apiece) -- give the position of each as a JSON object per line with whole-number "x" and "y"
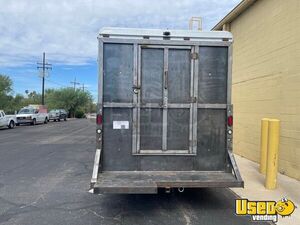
{"x": 79, "y": 114}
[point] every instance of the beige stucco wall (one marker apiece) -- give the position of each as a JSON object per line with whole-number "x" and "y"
{"x": 266, "y": 79}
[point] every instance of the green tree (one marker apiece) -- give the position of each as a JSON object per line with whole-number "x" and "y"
{"x": 5, "y": 91}
{"x": 5, "y": 85}
{"x": 33, "y": 98}
{"x": 18, "y": 103}
{"x": 68, "y": 98}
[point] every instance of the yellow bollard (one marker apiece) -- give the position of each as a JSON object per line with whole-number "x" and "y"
{"x": 264, "y": 145}
{"x": 272, "y": 158}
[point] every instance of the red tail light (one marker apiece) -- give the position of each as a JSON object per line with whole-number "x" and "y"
{"x": 230, "y": 121}
{"x": 99, "y": 119}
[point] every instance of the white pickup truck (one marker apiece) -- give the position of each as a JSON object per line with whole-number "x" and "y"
{"x": 7, "y": 120}
{"x": 32, "y": 115}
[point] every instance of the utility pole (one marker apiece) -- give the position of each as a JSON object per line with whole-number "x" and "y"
{"x": 75, "y": 83}
{"x": 44, "y": 66}
{"x": 83, "y": 87}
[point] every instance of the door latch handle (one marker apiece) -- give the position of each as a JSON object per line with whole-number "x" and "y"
{"x": 136, "y": 88}
{"x": 166, "y": 79}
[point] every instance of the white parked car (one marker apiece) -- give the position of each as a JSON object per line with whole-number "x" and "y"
{"x": 32, "y": 115}
{"x": 7, "y": 120}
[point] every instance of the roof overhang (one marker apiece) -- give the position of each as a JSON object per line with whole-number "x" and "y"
{"x": 240, "y": 8}
{"x": 138, "y": 33}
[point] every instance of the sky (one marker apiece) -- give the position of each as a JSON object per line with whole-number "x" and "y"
{"x": 67, "y": 31}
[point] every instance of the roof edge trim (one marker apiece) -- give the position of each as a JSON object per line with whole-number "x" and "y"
{"x": 234, "y": 13}
{"x": 116, "y": 32}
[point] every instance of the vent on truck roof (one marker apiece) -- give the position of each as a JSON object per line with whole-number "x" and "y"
{"x": 166, "y": 35}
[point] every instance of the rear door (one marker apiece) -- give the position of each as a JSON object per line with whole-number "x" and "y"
{"x": 165, "y": 101}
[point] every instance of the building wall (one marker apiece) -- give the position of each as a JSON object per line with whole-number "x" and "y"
{"x": 266, "y": 79}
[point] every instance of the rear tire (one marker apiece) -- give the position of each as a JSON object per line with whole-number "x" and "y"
{"x": 58, "y": 120}
{"x": 11, "y": 125}
{"x": 17, "y": 124}
{"x": 65, "y": 119}
{"x": 46, "y": 120}
{"x": 33, "y": 123}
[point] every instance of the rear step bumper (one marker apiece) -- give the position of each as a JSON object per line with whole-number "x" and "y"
{"x": 148, "y": 182}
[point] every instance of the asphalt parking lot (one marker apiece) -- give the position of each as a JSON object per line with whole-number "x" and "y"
{"x": 44, "y": 179}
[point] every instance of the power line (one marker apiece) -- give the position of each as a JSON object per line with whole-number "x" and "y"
{"x": 57, "y": 83}
{"x": 44, "y": 66}
{"x": 84, "y": 87}
{"x": 75, "y": 83}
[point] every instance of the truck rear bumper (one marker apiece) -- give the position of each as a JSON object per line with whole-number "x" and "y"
{"x": 148, "y": 182}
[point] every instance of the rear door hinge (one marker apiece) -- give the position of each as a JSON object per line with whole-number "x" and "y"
{"x": 194, "y": 55}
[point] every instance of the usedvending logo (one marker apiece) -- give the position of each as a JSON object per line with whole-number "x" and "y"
{"x": 264, "y": 210}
